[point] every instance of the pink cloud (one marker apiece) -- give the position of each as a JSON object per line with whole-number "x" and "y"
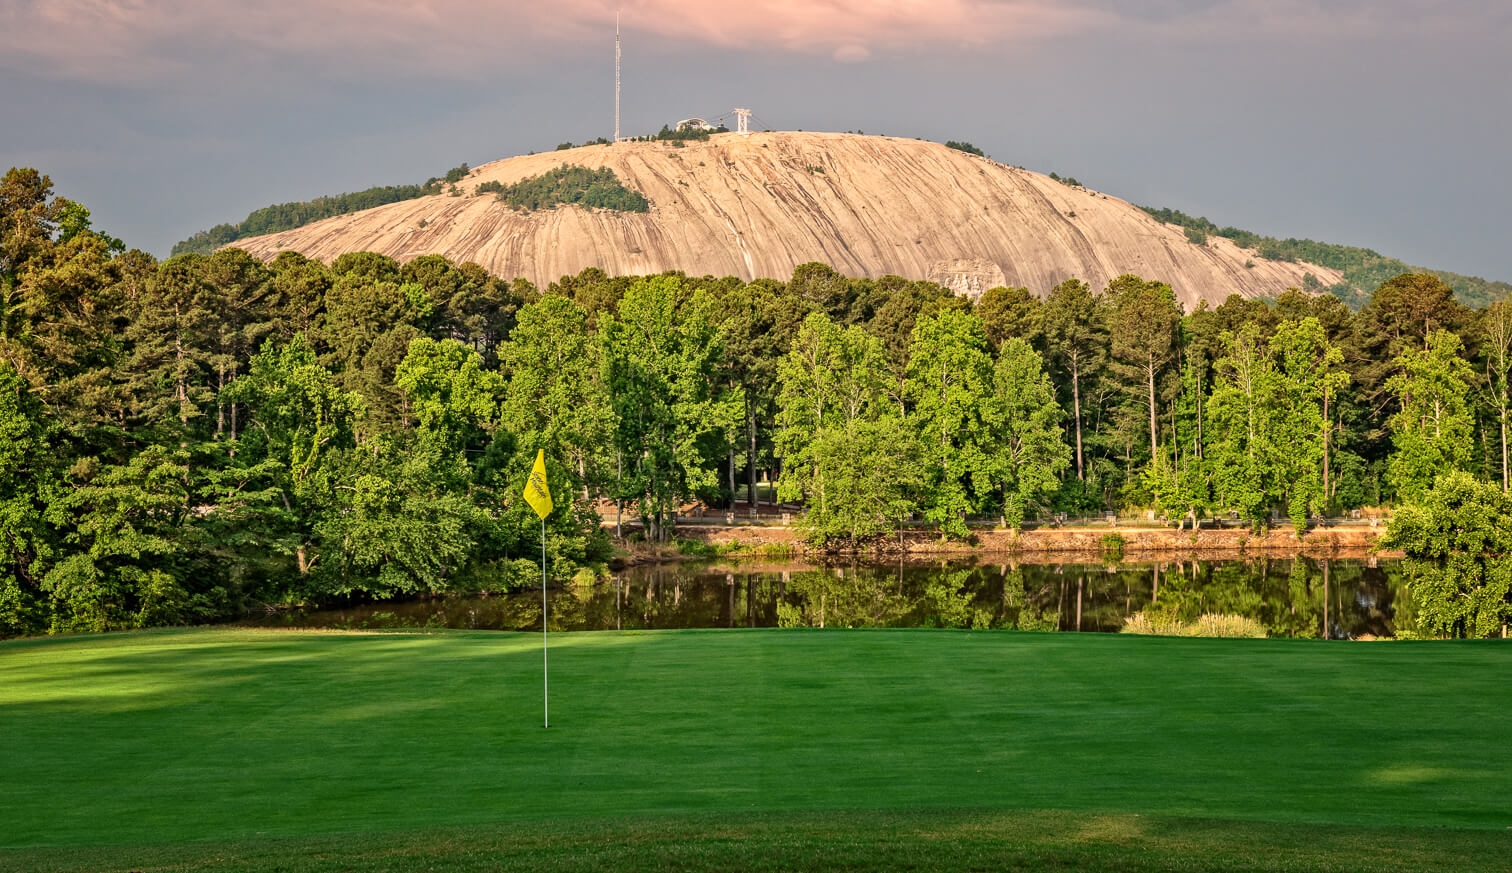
{"x": 104, "y": 39}
{"x": 135, "y": 40}
{"x": 855, "y": 25}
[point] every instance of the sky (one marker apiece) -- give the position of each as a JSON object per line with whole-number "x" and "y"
{"x": 1379, "y": 123}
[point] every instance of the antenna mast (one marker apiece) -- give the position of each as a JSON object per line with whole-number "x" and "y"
{"x": 616, "y": 77}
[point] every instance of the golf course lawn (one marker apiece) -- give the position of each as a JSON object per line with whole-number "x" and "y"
{"x": 764, "y": 749}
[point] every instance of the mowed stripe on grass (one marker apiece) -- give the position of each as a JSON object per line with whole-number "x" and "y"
{"x": 226, "y": 735}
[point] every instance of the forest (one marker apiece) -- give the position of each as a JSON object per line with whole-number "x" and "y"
{"x": 191, "y": 439}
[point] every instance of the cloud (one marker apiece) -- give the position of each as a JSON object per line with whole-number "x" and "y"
{"x": 852, "y": 53}
{"x": 111, "y": 40}
{"x": 156, "y": 41}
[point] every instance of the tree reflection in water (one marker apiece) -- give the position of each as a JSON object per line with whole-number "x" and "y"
{"x": 1299, "y": 597}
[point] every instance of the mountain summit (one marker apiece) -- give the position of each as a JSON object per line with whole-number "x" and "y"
{"x": 759, "y": 205}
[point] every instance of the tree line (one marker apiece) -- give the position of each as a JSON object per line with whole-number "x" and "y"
{"x": 1363, "y": 269}
{"x": 287, "y": 216}
{"x": 194, "y": 438}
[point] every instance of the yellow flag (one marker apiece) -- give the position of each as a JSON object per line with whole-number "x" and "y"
{"x": 537, "y": 494}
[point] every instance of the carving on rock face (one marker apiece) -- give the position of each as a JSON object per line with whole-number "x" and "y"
{"x": 968, "y": 277}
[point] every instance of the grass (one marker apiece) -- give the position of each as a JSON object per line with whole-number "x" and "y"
{"x": 1209, "y": 624}
{"x": 739, "y": 749}
{"x": 917, "y": 840}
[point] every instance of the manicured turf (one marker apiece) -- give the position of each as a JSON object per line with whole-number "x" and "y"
{"x": 914, "y": 840}
{"x": 236, "y": 736}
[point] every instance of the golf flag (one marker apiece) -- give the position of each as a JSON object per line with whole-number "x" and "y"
{"x": 537, "y": 494}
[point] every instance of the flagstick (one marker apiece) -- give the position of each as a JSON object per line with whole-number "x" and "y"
{"x": 545, "y": 688}
{"x": 538, "y": 495}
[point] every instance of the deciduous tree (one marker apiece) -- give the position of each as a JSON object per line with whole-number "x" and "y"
{"x": 1433, "y": 429}
{"x": 1031, "y": 451}
{"x": 950, "y": 384}
{"x": 1457, "y": 536}
{"x": 847, "y": 453}
{"x": 556, "y": 399}
{"x": 660, "y": 358}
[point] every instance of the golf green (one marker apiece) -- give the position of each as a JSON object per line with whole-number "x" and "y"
{"x": 216, "y": 735}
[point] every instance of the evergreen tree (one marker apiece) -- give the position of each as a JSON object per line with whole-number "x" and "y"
{"x": 1073, "y": 322}
{"x": 1010, "y": 312}
{"x": 1143, "y": 325}
{"x": 174, "y": 332}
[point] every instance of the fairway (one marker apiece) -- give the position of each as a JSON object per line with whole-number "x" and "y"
{"x": 212, "y": 735}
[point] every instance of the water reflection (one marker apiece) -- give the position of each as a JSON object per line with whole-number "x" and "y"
{"x": 1291, "y": 597}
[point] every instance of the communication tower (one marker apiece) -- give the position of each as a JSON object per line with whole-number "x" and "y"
{"x": 616, "y": 78}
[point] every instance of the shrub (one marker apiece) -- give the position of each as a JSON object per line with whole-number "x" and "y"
{"x": 1161, "y": 624}
{"x": 667, "y": 134}
{"x": 966, "y": 147}
{"x": 697, "y": 549}
{"x": 1230, "y": 626}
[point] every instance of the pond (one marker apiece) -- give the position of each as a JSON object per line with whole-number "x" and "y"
{"x": 1302, "y": 597}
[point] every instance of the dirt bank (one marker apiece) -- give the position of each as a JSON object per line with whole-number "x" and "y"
{"x": 1062, "y": 543}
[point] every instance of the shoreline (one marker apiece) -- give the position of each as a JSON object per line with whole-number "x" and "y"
{"x": 1054, "y": 545}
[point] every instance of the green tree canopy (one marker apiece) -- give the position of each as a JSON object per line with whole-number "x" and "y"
{"x": 950, "y": 385}
{"x": 1073, "y": 322}
{"x": 1457, "y": 536}
{"x": 1144, "y": 324}
{"x": 846, "y": 451}
{"x": 1032, "y": 452}
{"x": 557, "y": 400}
{"x": 674, "y": 416}
{"x": 1433, "y": 429}
{"x": 29, "y": 481}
